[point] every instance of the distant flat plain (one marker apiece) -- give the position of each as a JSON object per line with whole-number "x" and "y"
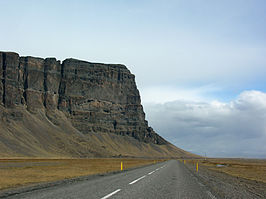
{"x": 251, "y": 169}
{"x": 17, "y": 172}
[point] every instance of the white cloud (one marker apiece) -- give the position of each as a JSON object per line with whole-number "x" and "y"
{"x": 163, "y": 94}
{"x": 233, "y": 129}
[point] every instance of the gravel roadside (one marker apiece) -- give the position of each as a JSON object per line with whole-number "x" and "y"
{"x": 227, "y": 186}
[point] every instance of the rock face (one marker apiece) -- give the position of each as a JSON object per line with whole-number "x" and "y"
{"x": 94, "y": 97}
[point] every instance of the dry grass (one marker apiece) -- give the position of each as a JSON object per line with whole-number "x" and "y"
{"x": 17, "y": 172}
{"x": 252, "y": 169}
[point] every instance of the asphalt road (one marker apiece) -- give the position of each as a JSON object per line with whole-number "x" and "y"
{"x": 163, "y": 180}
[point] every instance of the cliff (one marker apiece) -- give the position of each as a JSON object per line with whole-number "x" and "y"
{"x": 82, "y": 98}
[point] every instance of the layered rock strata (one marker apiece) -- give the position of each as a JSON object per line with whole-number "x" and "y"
{"x": 95, "y": 97}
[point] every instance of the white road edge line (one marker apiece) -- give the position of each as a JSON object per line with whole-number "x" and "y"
{"x": 109, "y": 195}
{"x": 137, "y": 180}
{"x": 157, "y": 169}
{"x": 151, "y": 173}
{"x": 210, "y": 194}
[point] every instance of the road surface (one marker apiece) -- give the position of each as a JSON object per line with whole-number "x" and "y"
{"x": 163, "y": 180}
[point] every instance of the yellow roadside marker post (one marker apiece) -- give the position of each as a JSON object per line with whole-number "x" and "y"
{"x": 184, "y": 161}
{"x": 197, "y": 167}
{"x": 121, "y": 166}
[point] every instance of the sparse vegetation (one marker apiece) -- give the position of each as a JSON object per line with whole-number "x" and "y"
{"x": 17, "y": 172}
{"x": 252, "y": 169}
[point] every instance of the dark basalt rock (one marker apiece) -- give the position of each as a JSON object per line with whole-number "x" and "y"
{"x": 95, "y": 97}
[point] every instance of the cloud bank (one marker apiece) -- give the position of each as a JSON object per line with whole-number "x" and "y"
{"x": 233, "y": 129}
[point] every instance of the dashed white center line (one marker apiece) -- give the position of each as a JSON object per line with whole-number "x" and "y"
{"x": 210, "y": 194}
{"x": 137, "y": 180}
{"x": 201, "y": 184}
{"x": 133, "y": 182}
{"x": 151, "y": 173}
{"x": 109, "y": 195}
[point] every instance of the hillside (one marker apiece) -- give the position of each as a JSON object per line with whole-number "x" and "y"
{"x": 73, "y": 109}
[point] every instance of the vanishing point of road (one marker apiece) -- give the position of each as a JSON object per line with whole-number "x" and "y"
{"x": 169, "y": 179}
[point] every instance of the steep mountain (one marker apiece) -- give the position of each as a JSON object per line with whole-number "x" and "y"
{"x": 73, "y": 109}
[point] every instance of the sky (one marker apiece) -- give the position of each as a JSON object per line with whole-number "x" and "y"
{"x": 200, "y": 65}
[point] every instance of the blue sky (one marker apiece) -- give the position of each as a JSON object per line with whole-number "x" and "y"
{"x": 182, "y": 52}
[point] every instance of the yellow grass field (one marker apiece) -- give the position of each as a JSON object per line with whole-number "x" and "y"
{"x": 18, "y": 172}
{"x": 252, "y": 169}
